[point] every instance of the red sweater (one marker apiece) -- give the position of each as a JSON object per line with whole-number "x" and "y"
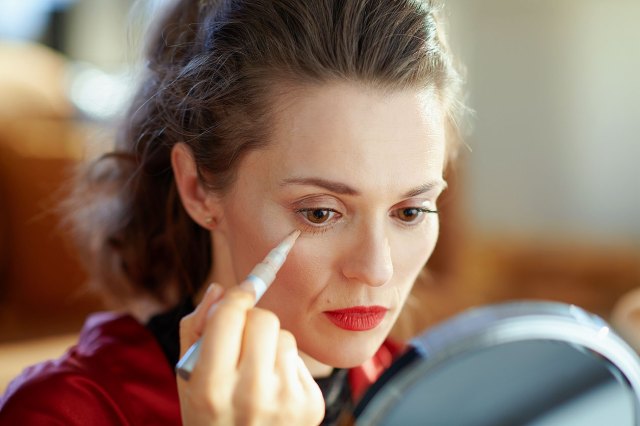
{"x": 117, "y": 374}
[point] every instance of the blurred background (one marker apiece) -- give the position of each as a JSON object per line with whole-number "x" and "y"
{"x": 544, "y": 202}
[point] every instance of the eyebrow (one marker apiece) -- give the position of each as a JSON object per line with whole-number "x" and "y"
{"x": 343, "y": 189}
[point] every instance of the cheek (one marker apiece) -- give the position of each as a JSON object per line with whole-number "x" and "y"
{"x": 306, "y": 271}
{"x": 246, "y": 242}
{"x": 301, "y": 284}
{"x": 252, "y": 231}
{"x": 412, "y": 252}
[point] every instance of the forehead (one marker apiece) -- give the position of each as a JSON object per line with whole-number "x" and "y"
{"x": 362, "y": 136}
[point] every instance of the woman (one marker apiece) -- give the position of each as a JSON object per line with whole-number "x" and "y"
{"x": 256, "y": 118}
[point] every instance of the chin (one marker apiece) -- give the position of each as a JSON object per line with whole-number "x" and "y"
{"x": 348, "y": 352}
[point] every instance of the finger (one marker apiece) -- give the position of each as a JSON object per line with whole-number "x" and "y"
{"x": 287, "y": 363}
{"x": 259, "y": 344}
{"x": 192, "y": 325}
{"x": 315, "y": 403}
{"x": 213, "y": 295}
{"x": 221, "y": 340}
{"x": 307, "y": 381}
{"x": 244, "y": 290}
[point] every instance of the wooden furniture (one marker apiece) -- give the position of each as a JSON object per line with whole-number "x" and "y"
{"x": 42, "y": 285}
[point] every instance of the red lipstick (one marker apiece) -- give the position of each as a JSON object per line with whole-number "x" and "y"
{"x": 357, "y": 318}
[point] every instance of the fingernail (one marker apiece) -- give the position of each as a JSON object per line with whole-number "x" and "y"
{"x": 248, "y": 286}
{"x": 214, "y": 291}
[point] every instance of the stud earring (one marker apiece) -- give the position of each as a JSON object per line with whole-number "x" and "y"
{"x": 209, "y": 221}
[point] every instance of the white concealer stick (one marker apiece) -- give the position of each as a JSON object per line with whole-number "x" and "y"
{"x": 259, "y": 280}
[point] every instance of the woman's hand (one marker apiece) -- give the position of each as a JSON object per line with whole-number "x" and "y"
{"x": 249, "y": 371}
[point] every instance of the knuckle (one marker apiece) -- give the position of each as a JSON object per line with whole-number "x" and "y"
{"x": 289, "y": 412}
{"x": 315, "y": 408}
{"x": 239, "y": 296}
{"x": 213, "y": 402}
{"x": 252, "y": 400}
{"x": 227, "y": 310}
{"x": 248, "y": 389}
{"x": 316, "y": 413}
{"x": 287, "y": 340}
{"x": 217, "y": 402}
{"x": 186, "y": 324}
{"x": 264, "y": 317}
{"x": 303, "y": 409}
{"x": 287, "y": 346}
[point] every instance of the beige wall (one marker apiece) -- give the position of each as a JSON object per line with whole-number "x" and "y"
{"x": 555, "y": 85}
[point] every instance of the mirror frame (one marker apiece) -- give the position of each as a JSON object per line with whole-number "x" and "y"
{"x": 497, "y": 324}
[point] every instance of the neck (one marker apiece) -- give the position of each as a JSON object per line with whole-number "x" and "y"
{"x": 222, "y": 270}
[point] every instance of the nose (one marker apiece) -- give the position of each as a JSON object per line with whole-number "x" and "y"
{"x": 368, "y": 259}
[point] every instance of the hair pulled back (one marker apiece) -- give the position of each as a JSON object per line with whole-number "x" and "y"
{"x": 211, "y": 69}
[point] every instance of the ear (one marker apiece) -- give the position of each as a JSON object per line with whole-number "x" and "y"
{"x": 200, "y": 203}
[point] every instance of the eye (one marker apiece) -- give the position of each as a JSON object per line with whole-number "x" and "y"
{"x": 317, "y": 216}
{"x": 412, "y": 215}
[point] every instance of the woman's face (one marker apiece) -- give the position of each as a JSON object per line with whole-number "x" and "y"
{"x": 358, "y": 171}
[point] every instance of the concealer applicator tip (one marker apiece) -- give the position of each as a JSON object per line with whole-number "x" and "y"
{"x": 292, "y": 239}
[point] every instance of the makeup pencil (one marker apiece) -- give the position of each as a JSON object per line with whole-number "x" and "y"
{"x": 258, "y": 280}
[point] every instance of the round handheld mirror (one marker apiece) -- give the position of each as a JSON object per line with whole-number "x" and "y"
{"x": 524, "y": 363}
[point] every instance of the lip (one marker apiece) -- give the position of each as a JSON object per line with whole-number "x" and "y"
{"x": 357, "y": 318}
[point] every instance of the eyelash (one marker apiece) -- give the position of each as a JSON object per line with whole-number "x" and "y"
{"x": 421, "y": 210}
{"x": 321, "y": 228}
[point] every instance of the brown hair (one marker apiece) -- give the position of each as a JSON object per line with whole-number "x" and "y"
{"x": 212, "y": 66}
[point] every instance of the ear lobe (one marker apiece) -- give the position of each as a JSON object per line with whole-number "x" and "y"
{"x": 196, "y": 199}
